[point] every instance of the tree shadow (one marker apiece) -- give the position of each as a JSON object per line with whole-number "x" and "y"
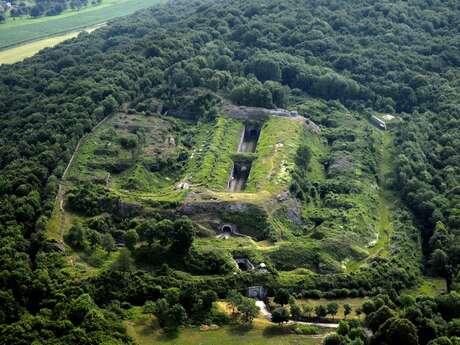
{"x": 168, "y": 335}
{"x": 149, "y": 326}
{"x": 238, "y": 329}
{"x": 276, "y": 330}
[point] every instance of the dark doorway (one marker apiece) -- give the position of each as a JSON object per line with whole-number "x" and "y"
{"x": 239, "y": 176}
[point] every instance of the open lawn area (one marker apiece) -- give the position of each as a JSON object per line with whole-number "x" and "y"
{"x": 144, "y": 331}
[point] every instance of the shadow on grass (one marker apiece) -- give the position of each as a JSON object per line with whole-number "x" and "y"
{"x": 276, "y": 330}
{"x": 168, "y": 335}
{"x": 240, "y": 329}
{"x": 149, "y": 327}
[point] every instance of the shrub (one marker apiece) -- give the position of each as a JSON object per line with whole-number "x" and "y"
{"x": 306, "y": 330}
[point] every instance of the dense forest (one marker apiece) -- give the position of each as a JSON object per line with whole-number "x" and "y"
{"x": 362, "y": 56}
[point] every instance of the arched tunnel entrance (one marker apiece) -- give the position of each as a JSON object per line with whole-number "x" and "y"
{"x": 227, "y": 228}
{"x": 239, "y": 177}
{"x": 250, "y": 137}
{"x": 241, "y": 169}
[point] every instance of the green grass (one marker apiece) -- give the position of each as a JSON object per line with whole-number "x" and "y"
{"x": 102, "y": 150}
{"x": 144, "y": 331}
{"x": 79, "y": 265}
{"x": 387, "y": 201}
{"x": 429, "y": 286}
{"x": 351, "y": 227}
{"x": 276, "y": 149}
{"x": 212, "y": 163}
{"x": 296, "y": 277}
{"x": 233, "y": 243}
{"x": 24, "y": 29}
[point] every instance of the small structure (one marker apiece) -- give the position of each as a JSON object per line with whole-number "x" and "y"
{"x": 229, "y": 230}
{"x": 263, "y": 268}
{"x": 258, "y": 292}
{"x": 256, "y": 112}
{"x": 183, "y": 186}
{"x": 389, "y": 117}
{"x": 380, "y": 124}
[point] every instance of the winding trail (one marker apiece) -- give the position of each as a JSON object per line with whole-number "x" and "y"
{"x": 317, "y": 324}
{"x": 263, "y": 309}
{"x": 61, "y": 192}
{"x": 266, "y": 314}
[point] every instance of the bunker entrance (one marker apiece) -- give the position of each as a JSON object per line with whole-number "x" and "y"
{"x": 250, "y": 137}
{"x": 239, "y": 177}
{"x": 227, "y": 228}
{"x": 240, "y": 172}
{"x": 244, "y": 264}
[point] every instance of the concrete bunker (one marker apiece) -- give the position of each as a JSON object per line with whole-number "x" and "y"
{"x": 380, "y": 124}
{"x": 258, "y": 292}
{"x": 244, "y": 264}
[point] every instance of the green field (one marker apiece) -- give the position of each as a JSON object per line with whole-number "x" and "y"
{"x": 24, "y": 51}
{"x": 25, "y": 30}
{"x": 19, "y": 53}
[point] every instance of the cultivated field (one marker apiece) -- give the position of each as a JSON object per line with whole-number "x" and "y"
{"x": 25, "y": 30}
{"x": 24, "y": 51}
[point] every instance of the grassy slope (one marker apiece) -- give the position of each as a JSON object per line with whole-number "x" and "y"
{"x": 387, "y": 200}
{"x": 212, "y": 160}
{"x": 84, "y": 168}
{"x": 429, "y": 286}
{"x": 88, "y": 164}
{"x": 277, "y": 146}
{"x": 347, "y": 235}
{"x": 23, "y": 30}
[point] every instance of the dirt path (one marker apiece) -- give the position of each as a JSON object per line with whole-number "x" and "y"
{"x": 316, "y": 324}
{"x": 72, "y": 158}
{"x": 267, "y": 315}
{"x": 264, "y": 310}
{"x": 61, "y": 191}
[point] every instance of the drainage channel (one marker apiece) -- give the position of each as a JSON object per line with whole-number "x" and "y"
{"x": 241, "y": 170}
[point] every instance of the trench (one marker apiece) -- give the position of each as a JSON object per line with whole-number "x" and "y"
{"x": 240, "y": 172}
